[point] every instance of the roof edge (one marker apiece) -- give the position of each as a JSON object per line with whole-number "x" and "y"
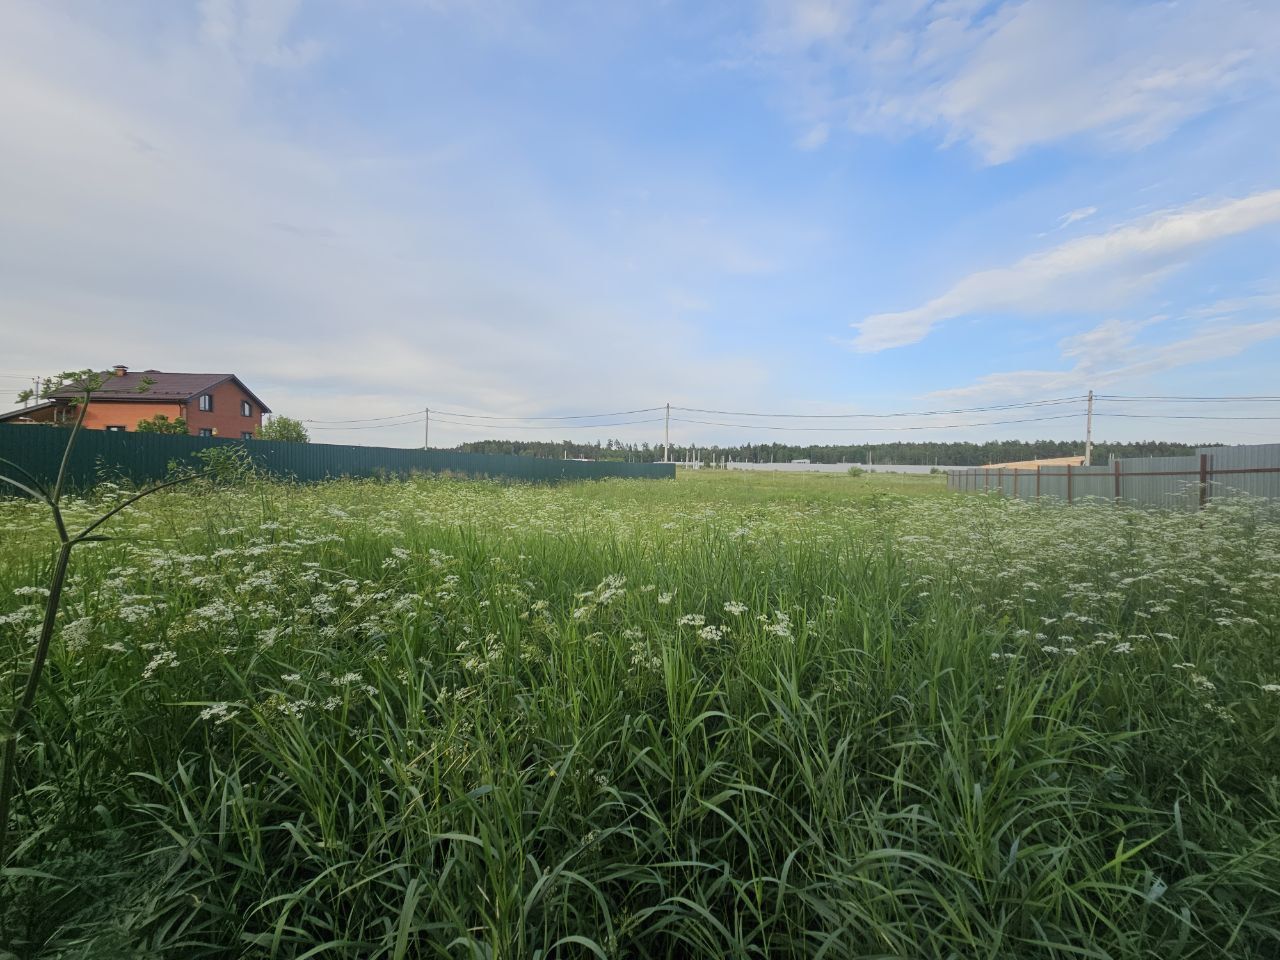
{"x": 68, "y": 393}
{"x": 14, "y": 414}
{"x": 256, "y": 399}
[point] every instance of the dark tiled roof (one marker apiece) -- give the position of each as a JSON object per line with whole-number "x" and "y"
{"x": 166, "y": 386}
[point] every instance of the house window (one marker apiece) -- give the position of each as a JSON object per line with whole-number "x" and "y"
{"x": 246, "y": 410}
{"x": 246, "y": 434}
{"x": 206, "y": 402}
{"x": 206, "y": 431}
{"x": 115, "y": 429}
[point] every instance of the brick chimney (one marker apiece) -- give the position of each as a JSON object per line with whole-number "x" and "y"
{"x": 120, "y": 370}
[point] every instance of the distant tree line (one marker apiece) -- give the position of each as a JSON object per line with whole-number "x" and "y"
{"x": 898, "y": 452}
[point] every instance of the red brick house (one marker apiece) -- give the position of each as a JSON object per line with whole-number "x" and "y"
{"x": 213, "y": 404}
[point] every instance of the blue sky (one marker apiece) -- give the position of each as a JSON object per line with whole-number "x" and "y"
{"x": 367, "y": 206}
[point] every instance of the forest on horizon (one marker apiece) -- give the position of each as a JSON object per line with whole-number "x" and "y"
{"x": 904, "y": 453}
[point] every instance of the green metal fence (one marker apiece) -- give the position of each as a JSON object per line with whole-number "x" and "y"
{"x": 142, "y": 457}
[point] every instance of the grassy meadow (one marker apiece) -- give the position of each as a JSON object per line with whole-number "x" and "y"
{"x": 733, "y": 715}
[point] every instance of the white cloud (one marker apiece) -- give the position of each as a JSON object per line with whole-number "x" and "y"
{"x": 1096, "y": 271}
{"x": 256, "y": 31}
{"x": 1075, "y": 216}
{"x": 1111, "y": 355}
{"x": 815, "y": 137}
{"x": 156, "y": 215}
{"x": 1022, "y": 74}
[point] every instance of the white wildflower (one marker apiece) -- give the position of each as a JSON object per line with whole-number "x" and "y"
{"x": 219, "y": 713}
{"x": 165, "y": 658}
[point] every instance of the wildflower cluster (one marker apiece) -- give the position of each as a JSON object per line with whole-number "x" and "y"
{"x": 675, "y": 696}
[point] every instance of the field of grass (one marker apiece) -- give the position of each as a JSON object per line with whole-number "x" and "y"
{"x": 733, "y": 715}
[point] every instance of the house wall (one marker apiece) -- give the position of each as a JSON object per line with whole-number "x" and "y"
{"x": 125, "y": 413}
{"x": 225, "y": 419}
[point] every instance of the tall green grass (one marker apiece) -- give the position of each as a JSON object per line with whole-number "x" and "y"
{"x": 727, "y": 716}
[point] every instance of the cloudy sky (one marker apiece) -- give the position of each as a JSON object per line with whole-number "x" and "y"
{"x": 365, "y": 207}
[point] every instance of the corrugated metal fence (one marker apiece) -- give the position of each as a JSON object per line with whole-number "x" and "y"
{"x": 1185, "y": 482}
{"x": 143, "y": 457}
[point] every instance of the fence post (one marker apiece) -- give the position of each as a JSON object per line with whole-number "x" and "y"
{"x": 1000, "y": 480}
{"x": 1038, "y": 483}
{"x": 1115, "y": 469}
{"x": 1204, "y": 479}
{"x": 1069, "y": 491}
{"x": 1015, "y": 483}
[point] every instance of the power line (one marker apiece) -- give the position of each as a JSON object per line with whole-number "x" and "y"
{"x": 576, "y": 416}
{"x": 922, "y": 426}
{"x": 1168, "y": 399}
{"x": 712, "y": 423}
{"x": 1185, "y": 416}
{"x": 496, "y": 426}
{"x": 911, "y": 413}
{"x": 843, "y": 421}
{"x": 367, "y": 426}
{"x": 558, "y": 426}
{"x": 394, "y": 416}
{"x": 732, "y": 413}
{"x": 485, "y": 416}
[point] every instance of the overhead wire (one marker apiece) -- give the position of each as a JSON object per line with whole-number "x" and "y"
{"x": 912, "y": 413}
{"x": 1120, "y": 398}
{"x": 487, "y": 426}
{"x": 483, "y": 416}
{"x": 575, "y": 416}
{"x": 839, "y": 421}
{"x": 439, "y": 414}
{"x": 536, "y": 426}
{"x": 367, "y": 426}
{"x": 1182, "y": 416}
{"x": 394, "y": 416}
{"x": 921, "y": 426}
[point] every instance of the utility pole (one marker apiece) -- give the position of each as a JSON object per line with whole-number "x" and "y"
{"x": 1088, "y": 434}
{"x": 426, "y": 428}
{"x": 666, "y": 441}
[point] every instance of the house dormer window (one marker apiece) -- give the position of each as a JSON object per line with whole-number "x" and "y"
{"x": 206, "y": 402}
{"x": 246, "y": 409}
